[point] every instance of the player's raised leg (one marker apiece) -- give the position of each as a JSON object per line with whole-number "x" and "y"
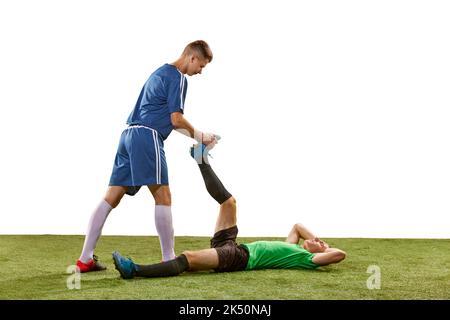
{"x": 227, "y": 215}
{"x": 212, "y": 183}
{"x": 215, "y": 187}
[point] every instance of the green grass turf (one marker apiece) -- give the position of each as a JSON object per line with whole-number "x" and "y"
{"x": 34, "y": 267}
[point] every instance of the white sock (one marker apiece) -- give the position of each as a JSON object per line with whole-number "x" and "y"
{"x": 94, "y": 231}
{"x": 163, "y": 222}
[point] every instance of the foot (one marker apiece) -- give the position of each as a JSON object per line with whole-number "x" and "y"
{"x": 200, "y": 153}
{"x": 125, "y": 266}
{"x": 91, "y": 265}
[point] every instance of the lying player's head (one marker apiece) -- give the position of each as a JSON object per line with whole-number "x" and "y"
{"x": 315, "y": 245}
{"x": 197, "y": 55}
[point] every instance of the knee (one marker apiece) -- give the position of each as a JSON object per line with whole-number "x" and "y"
{"x": 230, "y": 203}
{"x": 114, "y": 195}
{"x": 164, "y": 197}
{"x": 342, "y": 255}
{"x": 190, "y": 256}
{"x": 113, "y": 201}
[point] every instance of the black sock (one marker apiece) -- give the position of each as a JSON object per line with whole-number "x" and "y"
{"x": 164, "y": 269}
{"x": 213, "y": 184}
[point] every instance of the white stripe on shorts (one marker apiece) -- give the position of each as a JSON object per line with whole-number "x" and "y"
{"x": 158, "y": 158}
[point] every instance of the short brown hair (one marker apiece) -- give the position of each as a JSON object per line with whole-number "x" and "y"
{"x": 200, "y": 47}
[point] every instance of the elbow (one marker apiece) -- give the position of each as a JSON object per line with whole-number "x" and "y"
{"x": 298, "y": 225}
{"x": 176, "y": 124}
{"x": 340, "y": 255}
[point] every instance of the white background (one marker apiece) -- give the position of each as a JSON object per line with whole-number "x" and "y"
{"x": 333, "y": 113}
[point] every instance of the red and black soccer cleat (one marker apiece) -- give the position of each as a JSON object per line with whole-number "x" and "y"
{"x": 91, "y": 265}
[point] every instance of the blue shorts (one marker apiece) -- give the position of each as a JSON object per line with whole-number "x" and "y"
{"x": 140, "y": 160}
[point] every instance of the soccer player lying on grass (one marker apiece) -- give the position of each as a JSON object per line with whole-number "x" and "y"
{"x": 225, "y": 255}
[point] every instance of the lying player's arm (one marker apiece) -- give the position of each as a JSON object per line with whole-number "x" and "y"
{"x": 299, "y": 232}
{"x": 329, "y": 256}
{"x": 183, "y": 126}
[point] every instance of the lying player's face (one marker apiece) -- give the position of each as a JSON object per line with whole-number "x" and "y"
{"x": 196, "y": 65}
{"x": 315, "y": 245}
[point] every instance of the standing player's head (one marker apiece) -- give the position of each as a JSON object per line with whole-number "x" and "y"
{"x": 195, "y": 57}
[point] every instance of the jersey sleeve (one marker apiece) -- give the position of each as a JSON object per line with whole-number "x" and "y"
{"x": 176, "y": 94}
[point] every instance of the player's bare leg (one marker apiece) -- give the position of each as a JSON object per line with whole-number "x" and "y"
{"x": 227, "y": 215}
{"x": 114, "y": 194}
{"x": 161, "y": 194}
{"x": 205, "y": 259}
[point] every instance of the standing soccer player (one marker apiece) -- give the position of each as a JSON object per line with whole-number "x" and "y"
{"x": 140, "y": 159}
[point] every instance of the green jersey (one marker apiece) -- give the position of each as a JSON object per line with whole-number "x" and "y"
{"x": 278, "y": 255}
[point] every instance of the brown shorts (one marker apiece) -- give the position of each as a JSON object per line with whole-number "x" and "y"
{"x": 232, "y": 257}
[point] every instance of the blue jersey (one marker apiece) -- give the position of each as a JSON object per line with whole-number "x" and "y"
{"x": 163, "y": 93}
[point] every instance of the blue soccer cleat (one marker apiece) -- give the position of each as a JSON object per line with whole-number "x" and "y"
{"x": 125, "y": 266}
{"x": 200, "y": 153}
